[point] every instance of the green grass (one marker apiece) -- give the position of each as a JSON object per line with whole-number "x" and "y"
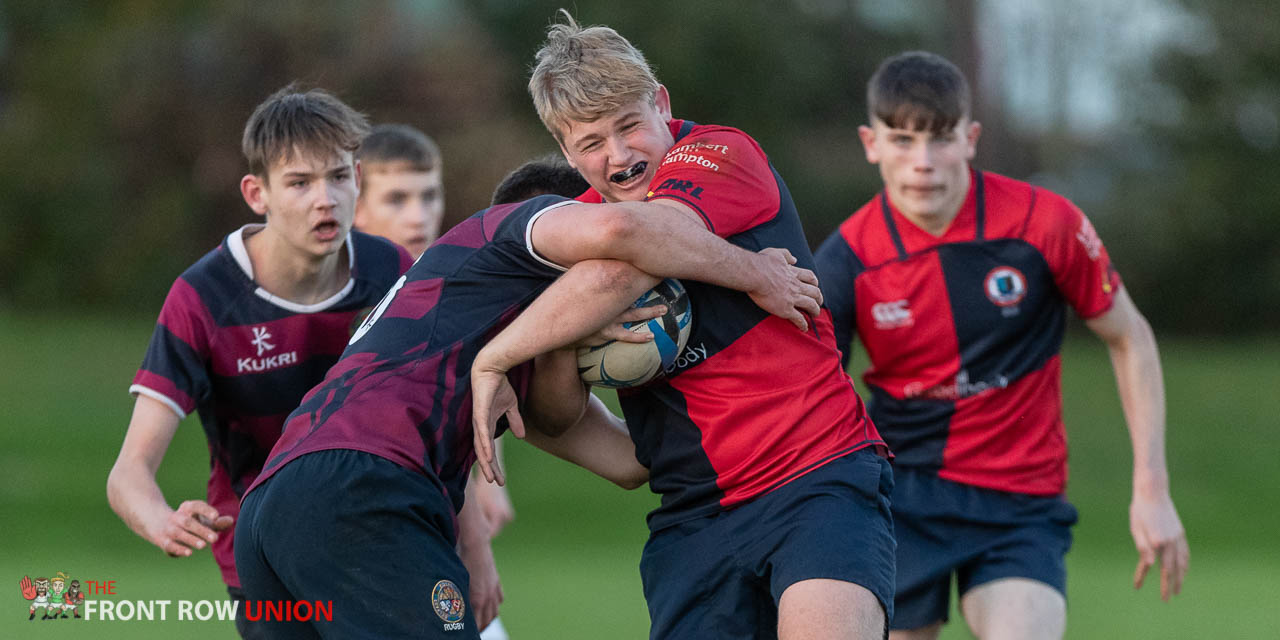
{"x": 569, "y": 561}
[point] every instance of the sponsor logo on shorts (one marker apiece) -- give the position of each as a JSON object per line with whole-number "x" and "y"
{"x": 892, "y": 315}
{"x": 1005, "y": 286}
{"x": 447, "y": 602}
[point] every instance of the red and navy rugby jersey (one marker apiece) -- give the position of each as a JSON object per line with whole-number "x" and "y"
{"x": 752, "y": 402}
{"x": 243, "y": 358}
{"x": 963, "y": 331}
{"x": 402, "y": 389}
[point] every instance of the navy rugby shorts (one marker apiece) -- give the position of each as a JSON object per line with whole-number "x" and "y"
{"x": 374, "y": 538}
{"x": 721, "y": 576}
{"x": 977, "y": 534}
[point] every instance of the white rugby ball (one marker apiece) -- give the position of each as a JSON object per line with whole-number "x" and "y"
{"x": 625, "y": 364}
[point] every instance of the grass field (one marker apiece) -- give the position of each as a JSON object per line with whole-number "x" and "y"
{"x": 569, "y": 562}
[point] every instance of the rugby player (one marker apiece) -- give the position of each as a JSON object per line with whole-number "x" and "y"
{"x": 957, "y": 283}
{"x": 774, "y": 516}
{"x": 254, "y": 324}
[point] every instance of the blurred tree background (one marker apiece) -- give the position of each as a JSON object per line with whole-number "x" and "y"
{"x": 120, "y": 122}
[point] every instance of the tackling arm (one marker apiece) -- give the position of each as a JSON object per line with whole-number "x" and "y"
{"x": 1153, "y": 519}
{"x": 137, "y": 499}
{"x": 667, "y": 239}
{"x": 572, "y": 424}
{"x": 596, "y": 291}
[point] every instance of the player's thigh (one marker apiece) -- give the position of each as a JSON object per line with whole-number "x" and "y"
{"x": 695, "y": 586}
{"x": 821, "y": 608}
{"x": 1015, "y": 608}
{"x": 370, "y": 537}
{"x": 833, "y": 524}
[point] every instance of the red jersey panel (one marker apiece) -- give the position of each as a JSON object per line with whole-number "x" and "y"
{"x": 752, "y": 402}
{"x": 963, "y": 331}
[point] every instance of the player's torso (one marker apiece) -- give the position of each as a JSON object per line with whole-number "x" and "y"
{"x": 752, "y": 401}
{"x": 401, "y": 389}
{"x": 963, "y": 334}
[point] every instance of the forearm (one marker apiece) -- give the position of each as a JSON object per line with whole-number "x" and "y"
{"x": 598, "y": 442}
{"x": 137, "y": 499}
{"x": 557, "y": 396}
{"x": 1136, "y": 362}
{"x": 474, "y": 530}
{"x": 662, "y": 240}
{"x": 576, "y": 305}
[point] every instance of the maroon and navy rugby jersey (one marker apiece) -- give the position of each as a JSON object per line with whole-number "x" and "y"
{"x": 402, "y": 389}
{"x": 752, "y": 402}
{"x": 963, "y": 331}
{"x": 243, "y": 358}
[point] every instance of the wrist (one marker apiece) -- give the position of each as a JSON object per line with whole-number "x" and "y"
{"x": 1150, "y": 483}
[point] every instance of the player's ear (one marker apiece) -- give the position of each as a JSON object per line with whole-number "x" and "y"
{"x": 868, "y": 137}
{"x": 254, "y": 190}
{"x": 662, "y": 101}
{"x": 971, "y": 134}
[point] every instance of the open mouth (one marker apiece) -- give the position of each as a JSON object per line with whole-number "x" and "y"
{"x": 629, "y": 173}
{"x": 327, "y": 230}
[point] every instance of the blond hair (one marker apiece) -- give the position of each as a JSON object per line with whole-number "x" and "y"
{"x": 585, "y": 73}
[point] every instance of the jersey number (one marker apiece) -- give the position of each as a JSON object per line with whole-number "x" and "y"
{"x": 377, "y": 311}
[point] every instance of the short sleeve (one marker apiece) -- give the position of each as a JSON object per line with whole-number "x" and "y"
{"x": 1081, "y": 267}
{"x": 174, "y": 370}
{"x": 724, "y": 176}
{"x": 837, "y": 268}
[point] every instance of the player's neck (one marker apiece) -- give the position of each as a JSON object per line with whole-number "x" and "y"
{"x": 935, "y": 225}
{"x": 288, "y": 273}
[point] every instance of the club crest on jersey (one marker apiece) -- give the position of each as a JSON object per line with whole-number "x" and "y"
{"x": 447, "y": 602}
{"x": 1005, "y": 286}
{"x": 892, "y": 315}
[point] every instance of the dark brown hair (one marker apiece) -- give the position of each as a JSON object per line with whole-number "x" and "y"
{"x": 290, "y": 121}
{"x": 920, "y": 91}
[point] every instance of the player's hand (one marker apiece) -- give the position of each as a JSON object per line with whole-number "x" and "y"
{"x": 615, "y": 331}
{"x": 496, "y": 505}
{"x": 193, "y": 526}
{"x": 486, "y": 587}
{"x": 786, "y": 291}
{"x": 28, "y": 589}
{"x": 491, "y": 398}
{"x": 1159, "y": 537}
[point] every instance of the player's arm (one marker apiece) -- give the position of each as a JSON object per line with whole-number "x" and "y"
{"x": 835, "y": 265}
{"x": 137, "y": 499}
{"x": 578, "y": 304}
{"x": 476, "y": 551}
{"x": 668, "y": 239}
{"x": 1153, "y": 519}
{"x": 570, "y": 423}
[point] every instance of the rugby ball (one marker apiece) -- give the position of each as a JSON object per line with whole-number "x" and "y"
{"x": 626, "y": 364}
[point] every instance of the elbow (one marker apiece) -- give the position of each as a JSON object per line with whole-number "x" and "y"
{"x": 614, "y": 231}
{"x": 632, "y": 480}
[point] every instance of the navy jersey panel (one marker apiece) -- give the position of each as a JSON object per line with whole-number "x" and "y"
{"x": 753, "y": 402}
{"x": 224, "y": 349}
{"x": 837, "y": 267}
{"x": 963, "y": 331}
{"x": 364, "y": 534}
{"x": 402, "y": 388}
